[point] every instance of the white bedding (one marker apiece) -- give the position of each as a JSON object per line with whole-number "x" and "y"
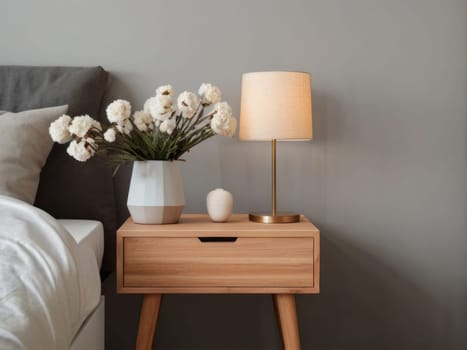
{"x": 48, "y": 283}
{"x": 87, "y": 233}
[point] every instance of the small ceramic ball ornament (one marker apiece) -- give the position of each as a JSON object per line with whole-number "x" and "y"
{"x": 220, "y": 204}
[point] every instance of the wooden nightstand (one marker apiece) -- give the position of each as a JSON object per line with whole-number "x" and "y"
{"x": 199, "y": 256}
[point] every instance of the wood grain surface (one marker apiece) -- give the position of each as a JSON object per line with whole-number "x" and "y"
{"x": 198, "y": 225}
{"x": 286, "y": 314}
{"x": 258, "y": 258}
{"x": 148, "y": 321}
{"x": 248, "y": 262}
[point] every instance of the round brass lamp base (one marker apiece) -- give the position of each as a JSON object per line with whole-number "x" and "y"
{"x": 279, "y": 218}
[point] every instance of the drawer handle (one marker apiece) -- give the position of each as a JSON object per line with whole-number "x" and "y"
{"x": 217, "y": 239}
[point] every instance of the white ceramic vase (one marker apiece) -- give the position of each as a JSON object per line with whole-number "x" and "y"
{"x": 156, "y": 192}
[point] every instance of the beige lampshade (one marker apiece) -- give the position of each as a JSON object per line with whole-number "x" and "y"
{"x": 276, "y": 105}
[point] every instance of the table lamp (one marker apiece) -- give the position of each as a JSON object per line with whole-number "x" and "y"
{"x": 275, "y": 106}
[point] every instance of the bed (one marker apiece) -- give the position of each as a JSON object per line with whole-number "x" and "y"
{"x": 89, "y": 234}
{"x": 57, "y": 216}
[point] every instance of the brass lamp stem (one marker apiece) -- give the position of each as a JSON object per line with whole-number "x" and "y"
{"x": 273, "y": 177}
{"x": 274, "y": 217}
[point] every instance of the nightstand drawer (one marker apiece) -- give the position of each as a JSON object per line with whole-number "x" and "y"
{"x": 243, "y": 262}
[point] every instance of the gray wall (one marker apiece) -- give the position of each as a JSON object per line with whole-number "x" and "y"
{"x": 384, "y": 177}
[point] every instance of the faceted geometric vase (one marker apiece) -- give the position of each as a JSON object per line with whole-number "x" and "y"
{"x": 156, "y": 192}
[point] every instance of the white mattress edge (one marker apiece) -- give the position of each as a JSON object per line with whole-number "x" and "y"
{"x": 87, "y": 233}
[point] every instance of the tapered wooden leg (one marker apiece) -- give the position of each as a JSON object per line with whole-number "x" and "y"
{"x": 148, "y": 321}
{"x": 286, "y": 313}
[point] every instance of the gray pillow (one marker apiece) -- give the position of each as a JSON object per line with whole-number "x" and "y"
{"x": 25, "y": 145}
{"x": 79, "y": 190}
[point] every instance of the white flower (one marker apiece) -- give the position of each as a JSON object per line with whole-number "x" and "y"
{"x": 143, "y": 121}
{"x": 165, "y": 90}
{"x": 81, "y": 125}
{"x": 96, "y": 125}
{"x": 81, "y": 150}
{"x": 188, "y": 104}
{"x": 168, "y": 126}
{"x": 59, "y": 129}
{"x": 160, "y": 107}
{"x": 209, "y": 93}
{"x": 110, "y": 135}
{"x": 231, "y": 128}
{"x": 222, "y": 110}
{"x": 118, "y": 111}
{"x": 147, "y": 104}
{"x": 125, "y": 128}
{"x": 224, "y": 125}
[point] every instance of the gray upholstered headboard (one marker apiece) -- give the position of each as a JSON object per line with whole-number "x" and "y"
{"x": 68, "y": 189}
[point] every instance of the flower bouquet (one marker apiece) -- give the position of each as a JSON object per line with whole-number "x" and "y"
{"x": 152, "y": 138}
{"x": 158, "y": 132}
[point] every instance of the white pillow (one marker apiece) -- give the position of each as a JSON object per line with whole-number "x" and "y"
{"x": 25, "y": 145}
